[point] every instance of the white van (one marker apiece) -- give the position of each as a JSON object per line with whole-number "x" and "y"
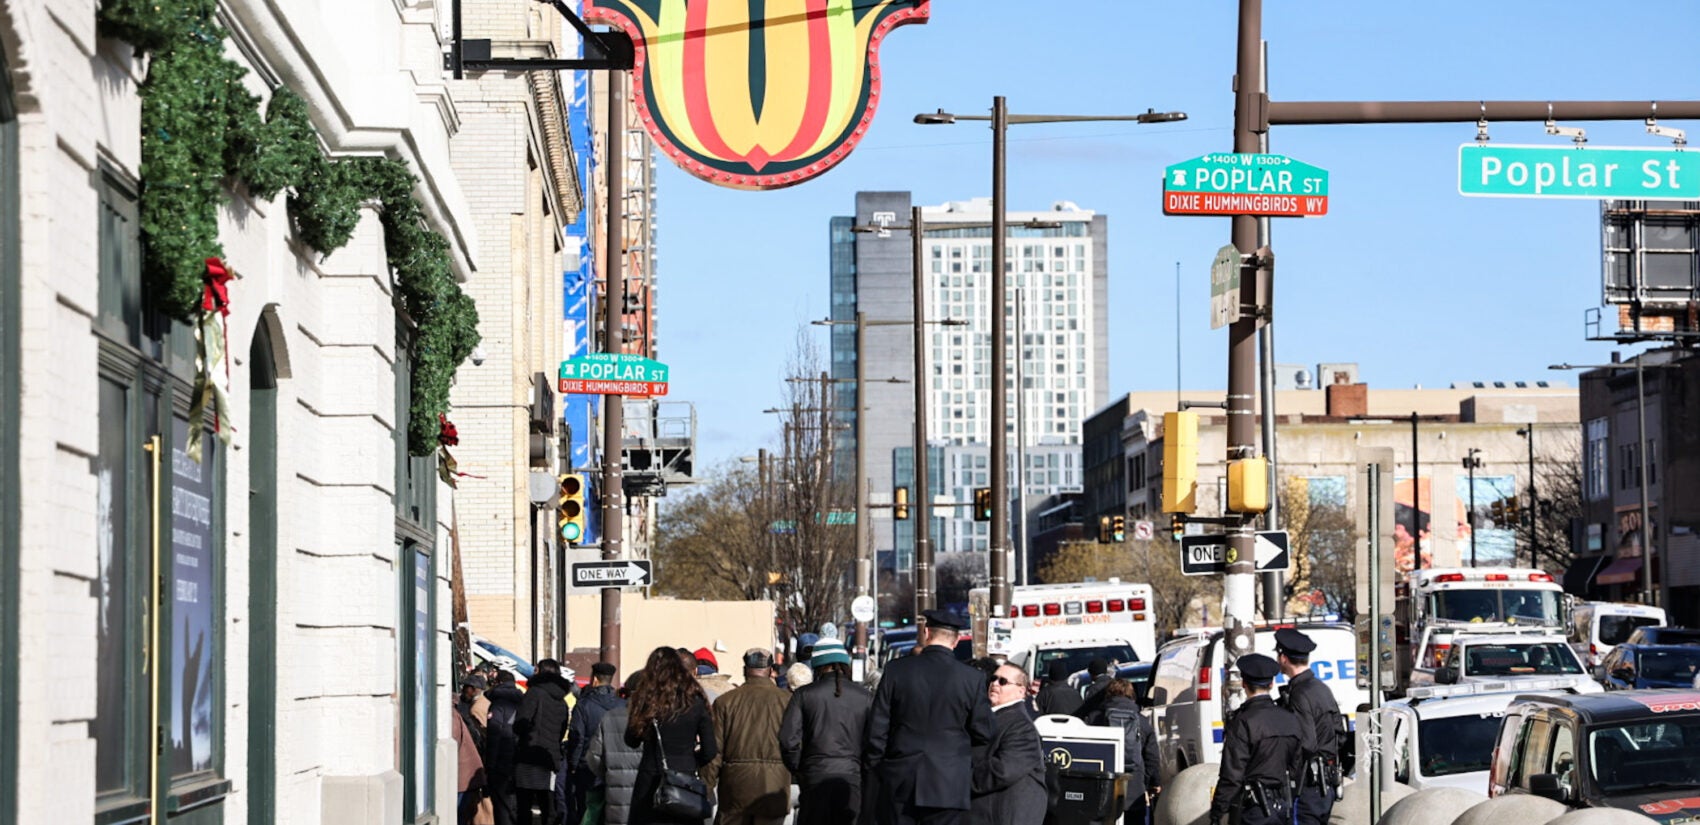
{"x": 1443, "y": 736}
{"x": 1597, "y": 627}
{"x": 1186, "y": 707}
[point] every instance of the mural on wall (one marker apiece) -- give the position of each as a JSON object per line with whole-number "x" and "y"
{"x": 757, "y": 94}
{"x": 1416, "y": 502}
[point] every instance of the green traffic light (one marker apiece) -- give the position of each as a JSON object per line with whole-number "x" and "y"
{"x": 572, "y": 531}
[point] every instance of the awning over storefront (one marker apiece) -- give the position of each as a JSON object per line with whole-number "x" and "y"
{"x": 1581, "y": 573}
{"x": 1621, "y": 571}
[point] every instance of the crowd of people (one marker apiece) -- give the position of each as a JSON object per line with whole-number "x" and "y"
{"x": 936, "y": 742}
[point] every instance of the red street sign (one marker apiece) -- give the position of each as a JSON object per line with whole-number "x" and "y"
{"x": 1216, "y": 203}
{"x": 584, "y": 386}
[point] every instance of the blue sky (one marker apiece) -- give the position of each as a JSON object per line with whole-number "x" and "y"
{"x": 1405, "y": 277}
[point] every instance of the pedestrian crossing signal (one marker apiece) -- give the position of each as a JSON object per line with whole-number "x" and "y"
{"x": 1103, "y": 529}
{"x": 982, "y": 504}
{"x": 570, "y": 511}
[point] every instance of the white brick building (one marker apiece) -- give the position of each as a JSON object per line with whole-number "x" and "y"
{"x": 293, "y": 657}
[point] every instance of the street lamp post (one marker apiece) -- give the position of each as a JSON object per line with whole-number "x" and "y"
{"x": 1641, "y": 451}
{"x": 1472, "y": 462}
{"x": 1000, "y": 118}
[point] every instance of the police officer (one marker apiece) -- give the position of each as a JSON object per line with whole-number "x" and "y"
{"x": 929, "y": 713}
{"x": 1260, "y": 753}
{"x": 1319, "y": 716}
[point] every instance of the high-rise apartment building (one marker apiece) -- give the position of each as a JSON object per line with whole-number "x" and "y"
{"x": 1056, "y": 333}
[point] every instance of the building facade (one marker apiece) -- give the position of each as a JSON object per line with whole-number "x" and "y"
{"x": 258, "y": 633}
{"x": 1056, "y": 331}
{"x": 1614, "y": 528}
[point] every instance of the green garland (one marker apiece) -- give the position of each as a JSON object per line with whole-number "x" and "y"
{"x": 201, "y": 126}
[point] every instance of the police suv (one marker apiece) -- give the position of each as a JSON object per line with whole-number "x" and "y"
{"x": 1186, "y": 705}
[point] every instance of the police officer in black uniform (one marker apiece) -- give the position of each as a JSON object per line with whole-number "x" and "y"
{"x": 1324, "y": 729}
{"x": 929, "y": 713}
{"x": 1261, "y": 748}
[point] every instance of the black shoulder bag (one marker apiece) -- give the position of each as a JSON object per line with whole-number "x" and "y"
{"x": 679, "y": 794}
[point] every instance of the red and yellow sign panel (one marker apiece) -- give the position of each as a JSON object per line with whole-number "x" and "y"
{"x": 757, "y": 94}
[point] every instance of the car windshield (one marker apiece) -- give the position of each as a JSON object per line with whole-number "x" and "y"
{"x": 1615, "y": 629}
{"x": 1535, "y": 607}
{"x": 1457, "y": 744}
{"x": 1079, "y": 657}
{"x": 1519, "y": 659}
{"x": 1676, "y": 665}
{"x": 1657, "y": 753}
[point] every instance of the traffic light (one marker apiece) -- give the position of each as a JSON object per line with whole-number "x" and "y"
{"x": 569, "y": 511}
{"x": 982, "y": 504}
{"x": 1118, "y": 529}
{"x": 1180, "y": 462}
{"x": 1177, "y": 526}
{"x": 900, "y": 504}
{"x": 1248, "y": 485}
{"x": 1103, "y": 529}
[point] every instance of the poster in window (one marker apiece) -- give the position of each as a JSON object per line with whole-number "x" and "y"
{"x": 422, "y": 733}
{"x": 192, "y": 544}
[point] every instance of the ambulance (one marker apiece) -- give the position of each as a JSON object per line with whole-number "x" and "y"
{"x": 1076, "y": 623}
{"x": 1433, "y": 605}
{"x": 1186, "y": 703}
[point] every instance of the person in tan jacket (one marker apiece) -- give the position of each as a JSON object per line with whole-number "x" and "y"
{"x": 754, "y": 785}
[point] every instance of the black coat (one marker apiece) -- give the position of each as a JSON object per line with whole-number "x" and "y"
{"x": 821, "y": 733}
{"x": 1261, "y": 745}
{"x": 1058, "y": 696}
{"x": 1318, "y": 712}
{"x": 501, "y": 742}
{"x": 688, "y": 742}
{"x": 587, "y": 717}
{"x": 1009, "y": 773}
{"x": 1139, "y": 740}
{"x": 928, "y": 714}
{"x": 539, "y": 727}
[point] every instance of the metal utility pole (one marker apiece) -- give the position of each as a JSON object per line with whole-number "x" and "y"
{"x": 1240, "y": 583}
{"x": 1274, "y": 590}
{"x": 998, "y": 563}
{"x": 613, "y": 341}
{"x": 1534, "y": 504}
{"x": 864, "y": 564}
{"x": 1416, "y": 500}
{"x": 1472, "y": 461}
{"x": 924, "y": 586}
{"x": 1019, "y": 575}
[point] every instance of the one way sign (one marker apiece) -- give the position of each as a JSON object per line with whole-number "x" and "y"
{"x": 600, "y": 574}
{"x": 1205, "y": 555}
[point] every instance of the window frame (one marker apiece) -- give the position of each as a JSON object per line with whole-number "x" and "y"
{"x": 9, "y": 390}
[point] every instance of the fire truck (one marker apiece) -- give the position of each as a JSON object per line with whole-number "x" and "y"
{"x": 1077, "y": 622}
{"x": 1432, "y": 606}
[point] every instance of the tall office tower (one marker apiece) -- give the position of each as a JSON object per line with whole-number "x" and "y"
{"x": 1058, "y": 357}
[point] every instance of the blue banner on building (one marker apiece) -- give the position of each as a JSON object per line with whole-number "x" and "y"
{"x": 579, "y": 412}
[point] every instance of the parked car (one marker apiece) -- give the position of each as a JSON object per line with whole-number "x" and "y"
{"x": 485, "y": 650}
{"x": 1630, "y": 667}
{"x": 1506, "y": 658}
{"x": 1443, "y": 736}
{"x": 1633, "y": 750}
{"x": 1663, "y": 636}
{"x": 1597, "y": 627}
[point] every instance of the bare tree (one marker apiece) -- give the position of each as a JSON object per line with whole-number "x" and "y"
{"x": 1544, "y": 526}
{"x": 958, "y": 573}
{"x": 712, "y": 542}
{"x": 1324, "y": 559}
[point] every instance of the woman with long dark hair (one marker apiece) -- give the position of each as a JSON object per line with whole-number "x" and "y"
{"x": 667, "y": 713}
{"x": 820, "y": 739}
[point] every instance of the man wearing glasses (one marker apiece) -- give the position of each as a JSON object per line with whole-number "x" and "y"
{"x": 929, "y": 714}
{"x": 1009, "y": 773}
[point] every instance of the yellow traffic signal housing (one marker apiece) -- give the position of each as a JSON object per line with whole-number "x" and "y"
{"x": 570, "y": 510}
{"x": 1103, "y": 529}
{"x": 1248, "y": 485}
{"x": 1180, "y": 462}
{"x": 982, "y": 504}
{"x": 1118, "y": 529}
{"x": 900, "y": 504}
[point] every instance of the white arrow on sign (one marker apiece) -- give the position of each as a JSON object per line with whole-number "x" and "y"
{"x": 1272, "y": 555}
{"x": 623, "y": 573}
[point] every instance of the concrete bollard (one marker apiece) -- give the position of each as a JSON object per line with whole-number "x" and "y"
{"x": 1353, "y": 807}
{"x": 1518, "y": 808}
{"x": 1186, "y": 799}
{"x": 1432, "y": 806}
{"x": 1603, "y": 816}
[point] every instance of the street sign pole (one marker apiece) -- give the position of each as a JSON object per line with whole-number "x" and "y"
{"x": 613, "y": 342}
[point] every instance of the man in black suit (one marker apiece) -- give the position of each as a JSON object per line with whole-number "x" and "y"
{"x": 929, "y": 714}
{"x": 1009, "y": 775}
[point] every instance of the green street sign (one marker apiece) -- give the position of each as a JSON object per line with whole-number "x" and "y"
{"x": 605, "y": 373}
{"x": 1229, "y": 183}
{"x": 1487, "y": 170}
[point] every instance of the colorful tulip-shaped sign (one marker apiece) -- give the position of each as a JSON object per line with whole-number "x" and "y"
{"x": 757, "y": 94}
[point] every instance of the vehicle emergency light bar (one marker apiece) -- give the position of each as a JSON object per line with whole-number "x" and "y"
{"x": 1418, "y": 694}
{"x": 1029, "y": 611}
{"x": 1449, "y": 578}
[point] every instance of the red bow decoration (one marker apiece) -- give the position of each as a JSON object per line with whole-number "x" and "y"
{"x": 446, "y": 432}
{"x": 216, "y": 294}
